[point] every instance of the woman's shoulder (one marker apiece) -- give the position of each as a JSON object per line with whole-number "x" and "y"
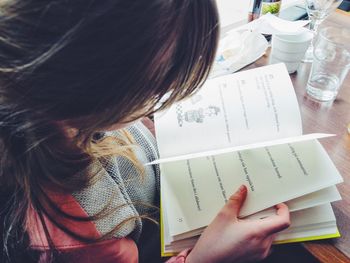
{"x": 107, "y": 196}
{"x": 145, "y": 150}
{"x": 73, "y": 249}
{"x": 104, "y": 202}
{"x": 143, "y": 134}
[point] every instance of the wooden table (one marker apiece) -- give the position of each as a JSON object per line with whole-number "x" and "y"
{"x": 328, "y": 118}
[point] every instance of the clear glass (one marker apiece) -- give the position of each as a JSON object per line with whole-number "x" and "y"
{"x": 331, "y": 62}
{"x": 318, "y": 10}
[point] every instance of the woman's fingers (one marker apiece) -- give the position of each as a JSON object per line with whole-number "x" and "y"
{"x": 278, "y": 222}
{"x": 236, "y": 201}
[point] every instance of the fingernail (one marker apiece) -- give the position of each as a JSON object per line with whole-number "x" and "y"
{"x": 242, "y": 188}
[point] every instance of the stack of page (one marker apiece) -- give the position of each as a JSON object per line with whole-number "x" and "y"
{"x": 243, "y": 128}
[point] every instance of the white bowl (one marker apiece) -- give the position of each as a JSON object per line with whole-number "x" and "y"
{"x": 291, "y": 66}
{"x": 292, "y": 43}
{"x": 286, "y": 56}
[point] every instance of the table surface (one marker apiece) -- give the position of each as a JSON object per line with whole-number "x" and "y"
{"x": 328, "y": 118}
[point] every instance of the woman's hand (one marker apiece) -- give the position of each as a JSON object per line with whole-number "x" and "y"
{"x": 230, "y": 239}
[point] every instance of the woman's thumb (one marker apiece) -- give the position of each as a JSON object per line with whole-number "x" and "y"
{"x": 236, "y": 200}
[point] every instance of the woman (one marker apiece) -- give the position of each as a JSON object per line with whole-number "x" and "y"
{"x": 76, "y": 78}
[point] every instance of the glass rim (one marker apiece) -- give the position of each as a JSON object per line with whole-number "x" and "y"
{"x": 322, "y": 33}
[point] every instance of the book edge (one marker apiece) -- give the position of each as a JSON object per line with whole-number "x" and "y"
{"x": 292, "y": 240}
{"x": 311, "y": 238}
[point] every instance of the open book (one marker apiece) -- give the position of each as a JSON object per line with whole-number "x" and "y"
{"x": 243, "y": 128}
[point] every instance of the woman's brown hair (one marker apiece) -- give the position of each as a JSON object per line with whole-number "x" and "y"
{"x": 88, "y": 64}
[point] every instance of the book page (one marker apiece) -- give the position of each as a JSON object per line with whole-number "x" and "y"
{"x": 320, "y": 197}
{"x": 243, "y": 108}
{"x": 301, "y": 138}
{"x": 195, "y": 190}
{"x": 310, "y": 224}
{"x": 315, "y": 199}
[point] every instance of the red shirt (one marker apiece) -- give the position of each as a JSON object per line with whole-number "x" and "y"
{"x": 123, "y": 250}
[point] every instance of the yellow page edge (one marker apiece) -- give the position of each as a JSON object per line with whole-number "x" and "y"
{"x": 293, "y": 240}
{"x": 311, "y": 238}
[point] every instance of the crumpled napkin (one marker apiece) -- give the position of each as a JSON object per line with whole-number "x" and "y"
{"x": 238, "y": 49}
{"x": 270, "y": 25}
{"x": 245, "y": 44}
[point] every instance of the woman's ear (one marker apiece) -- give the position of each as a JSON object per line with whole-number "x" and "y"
{"x": 149, "y": 124}
{"x": 68, "y": 130}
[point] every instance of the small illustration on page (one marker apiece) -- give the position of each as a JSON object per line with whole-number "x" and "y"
{"x": 196, "y": 115}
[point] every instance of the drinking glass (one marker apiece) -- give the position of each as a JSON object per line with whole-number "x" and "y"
{"x": 318, "y": 10}
{"x": 331, "y": 63}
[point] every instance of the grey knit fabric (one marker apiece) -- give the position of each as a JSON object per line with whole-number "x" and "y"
{"x": 121, "y": 190}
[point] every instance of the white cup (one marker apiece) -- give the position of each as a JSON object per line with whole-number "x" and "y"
{"x": 290, "y": 49}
